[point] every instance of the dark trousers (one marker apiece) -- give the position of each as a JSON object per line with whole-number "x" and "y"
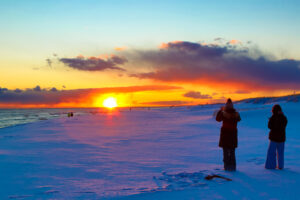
{"x": 229, "y": 159}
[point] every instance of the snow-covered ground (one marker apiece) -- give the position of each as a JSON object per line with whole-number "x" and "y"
{"x": 146, "y": 154}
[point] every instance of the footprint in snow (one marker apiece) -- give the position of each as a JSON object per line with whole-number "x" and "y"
{"x": 180, "y": 180}
{"x": 85, "y": 192}
{"x": 19, "y": 196}
{"x": 256, "y": 161}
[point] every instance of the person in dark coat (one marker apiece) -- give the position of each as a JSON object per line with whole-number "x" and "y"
{"x": 228, "y": 136}
{"x": 277, "y": 124}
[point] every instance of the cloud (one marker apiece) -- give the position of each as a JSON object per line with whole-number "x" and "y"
{"x": 49, "y": 62}
{"x": 218, "y": 65}
{"x": 224, "y": 64}
{"x": 242, "y": 92}
{"x": 197, "y": 95}
{"x": 52, "y": 96}
{"x": 219, "y": 39}
{"x": 53, "y": 89}
{"x": 37, "y": 89}
{"x": 234, "y": 42}
{"x": 2, "y": 90}
{"x": 120, "y": 48}
{"x": 167, "y": 103}
{"x": 17, "y": 90}
{"x": 94, "y": 63}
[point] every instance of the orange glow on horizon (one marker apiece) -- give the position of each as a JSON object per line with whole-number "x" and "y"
{"x": 125, "y": 98}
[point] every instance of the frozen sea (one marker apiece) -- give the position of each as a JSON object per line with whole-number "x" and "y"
{"x": 146, "y": 154}
{"x": 11, "y": 117}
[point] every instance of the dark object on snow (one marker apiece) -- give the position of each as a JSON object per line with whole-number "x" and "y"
{"x": 228, "y": 136}
{"x": 42, "y": 118}
{"x": 210, "y": 177}
{"x": 277, "y": 124}
{"x": 70, "y": 114}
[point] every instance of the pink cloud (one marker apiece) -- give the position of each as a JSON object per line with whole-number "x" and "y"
{"x": 235, "y": 42}
{"x": 120, "y": 48}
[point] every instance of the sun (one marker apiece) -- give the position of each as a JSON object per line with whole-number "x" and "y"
{"x": 110, "y": 102}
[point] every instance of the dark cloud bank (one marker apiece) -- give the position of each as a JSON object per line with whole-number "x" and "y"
{"x": 188, "y": 62}
{"x": 193, "y": 62}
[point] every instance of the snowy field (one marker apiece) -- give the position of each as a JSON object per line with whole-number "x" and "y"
{"x": 146, "y": 154}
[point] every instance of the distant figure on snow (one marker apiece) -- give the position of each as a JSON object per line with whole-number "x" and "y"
{"x": 277, "y": 124}
{"x": 228, "y": 137}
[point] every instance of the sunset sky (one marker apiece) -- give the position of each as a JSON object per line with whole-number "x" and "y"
{"x": 61, "y": 53}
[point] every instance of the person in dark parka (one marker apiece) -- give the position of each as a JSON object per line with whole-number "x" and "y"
{"x": 277, "y": 124}
{"x": 228, "y": 136}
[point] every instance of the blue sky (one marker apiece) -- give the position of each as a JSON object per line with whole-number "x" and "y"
{"x": 90, "y": 27}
